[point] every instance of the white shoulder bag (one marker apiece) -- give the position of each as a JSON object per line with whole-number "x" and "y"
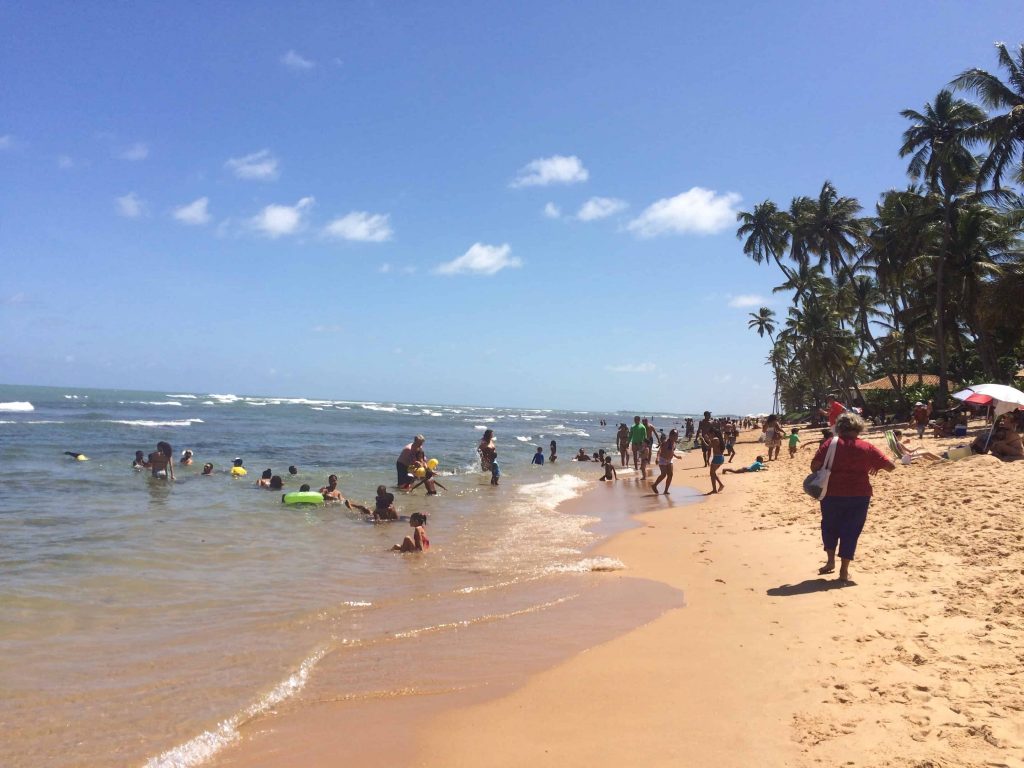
{"x": 816, "y": 483}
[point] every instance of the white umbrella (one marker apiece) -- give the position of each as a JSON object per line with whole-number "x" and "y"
{"x": 1004, "y": 398}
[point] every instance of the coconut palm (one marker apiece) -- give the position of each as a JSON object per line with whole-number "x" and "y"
{"x": 763, "y": 321}
{"x": 1003, "y": 132}
{"x": 766, "y": 230}
{"x": 937, "y": 143}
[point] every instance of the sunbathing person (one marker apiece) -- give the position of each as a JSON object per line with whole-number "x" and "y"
{"x": 909, "y": 453}
{"x": 1006, "y": 444}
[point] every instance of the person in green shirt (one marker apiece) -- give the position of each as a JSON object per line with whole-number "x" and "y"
{"x": 637, "y": 438}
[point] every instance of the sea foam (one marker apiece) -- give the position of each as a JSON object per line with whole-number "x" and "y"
{"x": 22, "y": 406}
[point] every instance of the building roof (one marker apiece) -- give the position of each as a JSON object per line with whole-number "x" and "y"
{"x": 905, "y": 380}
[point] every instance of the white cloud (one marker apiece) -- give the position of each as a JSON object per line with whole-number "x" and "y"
{"x": 360, "y": 226}
{"x": 748, "y": 300}
{"x": 409, "y": 270}
{"x": 64, "y": 162}
{"x": 6, "y": 141}
{"x": 600, "y": 208}
{"x": 699, "y": 211}
{"x": 557, "y": 169}
{"x": 134, "y": 153}
{"x": 481, "y": 259}
{"x": 327, "y": 329}
{"x": 277, "y": 220}
{"x": 552, "y": 211}
{"x": 258, "y": 165}
{"x": 196, "y": 212}
{"x": 131, "y": 206}
{"x": 632, "y": 368}
{"x": 384, "y": 268}
{"x": 297, "y": 63}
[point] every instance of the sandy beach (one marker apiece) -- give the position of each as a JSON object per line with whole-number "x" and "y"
{"x": 917, "y": 664}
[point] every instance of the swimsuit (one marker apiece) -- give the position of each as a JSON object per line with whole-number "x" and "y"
{"x": 719, "y": 459}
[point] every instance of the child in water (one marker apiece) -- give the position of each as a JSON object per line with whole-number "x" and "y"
{"x": 429, "y": 481}
{"x": 538, "y": 457}
{"x": 140, "y": 462}
{"x": 553, "y": 452}
{"x": 418, "y": 542}
{"x": 645, "y": 460}
{"x": 495, "y": 470}
{"x": 384, "y": 506}
{"x": 609, "y": 470}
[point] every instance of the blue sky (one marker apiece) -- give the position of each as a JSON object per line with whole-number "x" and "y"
{"x": 517, "y": 204}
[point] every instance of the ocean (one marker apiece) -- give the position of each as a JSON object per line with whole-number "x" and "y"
{"x": 144, "y": 622}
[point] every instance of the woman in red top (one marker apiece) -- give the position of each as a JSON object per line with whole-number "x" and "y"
{"x": 844, "y": 509}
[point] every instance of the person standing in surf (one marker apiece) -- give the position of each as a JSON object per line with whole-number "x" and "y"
{"x": 487, "y": 450}
{"x": 412, "y": 455}
{"x": 161, "y": 461}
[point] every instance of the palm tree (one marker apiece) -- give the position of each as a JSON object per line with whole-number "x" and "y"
{"x": 767, "y": 231}
{"x": 763, "y": 321}
{"x": 937, "y": 143}
{"x": 1003, "y": 132}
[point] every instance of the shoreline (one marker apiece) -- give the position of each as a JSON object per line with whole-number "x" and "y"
{"x": 768, "y": 663}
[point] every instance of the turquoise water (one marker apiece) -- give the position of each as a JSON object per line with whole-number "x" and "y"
{"x": 142, "y": 620}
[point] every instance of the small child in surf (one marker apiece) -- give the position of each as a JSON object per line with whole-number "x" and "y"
{"x": 538, "y": 457}
{"x": 140, "y": 463}
{"x": 384, "y": 506}
{"x": 264, "y": 481}
{"x": 609, "y": 470}
{"x": 418, "y": 542}
{"x": 495, "y": 470}
{"x": 429, "y": 481}
{"x": 645, "y": 460}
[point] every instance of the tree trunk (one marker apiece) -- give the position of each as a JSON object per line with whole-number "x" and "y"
{"x": 942, "y": 395}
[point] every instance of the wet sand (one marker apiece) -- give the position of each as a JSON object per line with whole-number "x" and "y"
{"x": 917, "y": 664}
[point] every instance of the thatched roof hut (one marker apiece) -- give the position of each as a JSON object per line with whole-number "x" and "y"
{"x": 905, "y": 380}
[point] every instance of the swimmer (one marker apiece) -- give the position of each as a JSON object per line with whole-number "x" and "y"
{"x": 77, "y": 456}
{"x": 429, "y": 481}
{"x": 186, "y": 458}
{"x": 538, "y": 457}
{"x": 207, "y": 468}
{"x": 384, "y": 506}
{"x": 276, "y": 483}
{"x": 237, "y": 470}
{"x": 161, "y": 461}
{"x": 418, "y": 542}
{"x": 293, "y": 470}
{"x": 331, "y": 492}
{"x": 140, "y": 463}
{"x": 264, "y": 480}
{"x": 304, "y": 488}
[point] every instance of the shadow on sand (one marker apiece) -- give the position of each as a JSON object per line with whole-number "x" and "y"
{"x": 808, "y": 587}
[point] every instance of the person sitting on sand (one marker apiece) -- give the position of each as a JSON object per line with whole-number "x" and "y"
{"x": 609, "y": 470}
{"x": 910, "y": 453}
{"x": 264, "y": 481}
{"x": 331, "y": 492}
{"x": 139, "y": 462}
{"x": 207, "y": 468}
{"x": 186, "y": 458}
{"x": 418, "y": 542}
{"x": 1006, "y": 443}
{"x": 757, "y": 466}
{"x": 161, "y": 461}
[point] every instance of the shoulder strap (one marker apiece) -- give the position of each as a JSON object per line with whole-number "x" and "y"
{"x": 831, "y": 453}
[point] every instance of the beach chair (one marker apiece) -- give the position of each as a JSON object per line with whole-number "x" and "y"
{"x": 894, "y": 445}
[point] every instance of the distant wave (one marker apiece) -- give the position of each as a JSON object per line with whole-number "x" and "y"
{"x": 17, "y": 405}
{"x": 184, "y": 397}
{"x": 146, "y": 423}
{"x": 523, "y": 439}
{"x": 381, "y": 408}
{"x": 157, "y": 402}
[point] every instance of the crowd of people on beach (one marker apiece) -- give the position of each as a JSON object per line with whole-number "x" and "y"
{"x": 643, "y": 444}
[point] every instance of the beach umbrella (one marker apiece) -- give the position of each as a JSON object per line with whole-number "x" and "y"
{"x": 1004, "y": 399}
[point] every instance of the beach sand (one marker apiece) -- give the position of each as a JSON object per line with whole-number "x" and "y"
{"x": 919, "y": 663}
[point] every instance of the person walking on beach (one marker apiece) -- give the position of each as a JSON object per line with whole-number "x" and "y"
{"x": 844, "y": 508}
{"x": 622, "y": 442}
{"x": 716, "y": 447}
{"x": 411, "y": 455}
{"x": 773, "y": 437}
{"x": 666, "y": 454}
{"x": 921, "y": 416}
{"x": 637, "y": 439}
{"x": 703, "y": 426}
{"x": 486, "y": 449}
